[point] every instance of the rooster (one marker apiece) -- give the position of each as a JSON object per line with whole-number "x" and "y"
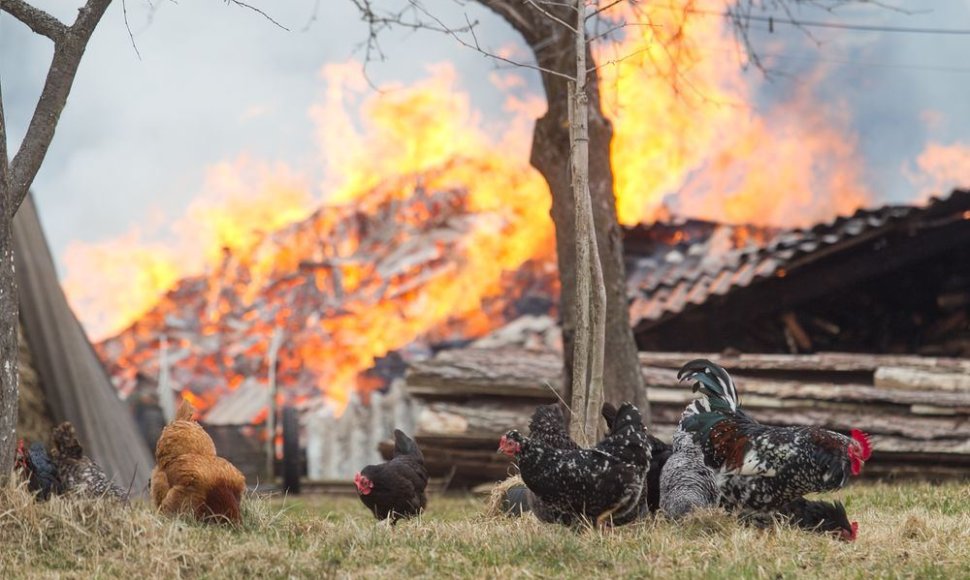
{"x": 37, "y": 468}
{"x": 79, "y": 475}
{"x": 758, "y": 467}
{"x": 190, "y": 478}
{"x": 395, "y": 489}
{"x": 599, "y": 484}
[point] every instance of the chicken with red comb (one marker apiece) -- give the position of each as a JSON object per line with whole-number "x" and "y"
{"x": 395, "y": 489}
{"x": 761, "y": 467}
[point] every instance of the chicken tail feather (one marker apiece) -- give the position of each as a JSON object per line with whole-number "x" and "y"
{"x": 185, "y": 411}
{"x": 404, "y": 445}
{"x": 713, "y": 382}
{"x": 221, "y": 505}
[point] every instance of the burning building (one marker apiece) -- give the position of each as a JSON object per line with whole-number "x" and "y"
{"x": 435, "y": 232}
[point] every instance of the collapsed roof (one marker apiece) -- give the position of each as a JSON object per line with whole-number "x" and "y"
{"x": 702, "y": 292}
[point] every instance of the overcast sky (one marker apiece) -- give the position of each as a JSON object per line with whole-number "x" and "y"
{"x": 216, "y": 81}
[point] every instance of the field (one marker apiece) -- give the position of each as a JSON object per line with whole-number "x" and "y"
{"x": 906, "y": 530}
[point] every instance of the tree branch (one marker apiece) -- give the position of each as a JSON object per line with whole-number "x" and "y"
{"x": 553, "y": 17}
{"x": 4, "y": 160}
{"x": 36, "y": 19}
{"x": 68, "y": 50}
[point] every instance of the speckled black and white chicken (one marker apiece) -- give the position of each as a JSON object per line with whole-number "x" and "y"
{"x": 755, "y": 466}
{"x": 79, "y": 475}
{"x": 600, "y": 484}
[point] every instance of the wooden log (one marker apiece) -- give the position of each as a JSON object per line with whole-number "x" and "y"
{"x": 820, "y": 362}
{"x": 920, "y": 379}
{"x": 656, "y": 379}
{"x": 501, "y": 373}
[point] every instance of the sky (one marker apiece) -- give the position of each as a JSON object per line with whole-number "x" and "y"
{"x": 212, "y": 82}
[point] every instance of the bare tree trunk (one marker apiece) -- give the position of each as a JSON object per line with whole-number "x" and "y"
{"x": 550, "y": 150}
{"x": 9, "y": 372}
{"x": 587, "y": 368}
{"x": 17, "y": 175}
{"x": 555, "y": 50}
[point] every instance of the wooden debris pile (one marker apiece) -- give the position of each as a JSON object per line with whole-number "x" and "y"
{"x": 916, "y": 409}
{"x": 341, "y": 286}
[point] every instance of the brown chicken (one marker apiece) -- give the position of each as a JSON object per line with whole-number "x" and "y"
{"x": 189, "y": 478}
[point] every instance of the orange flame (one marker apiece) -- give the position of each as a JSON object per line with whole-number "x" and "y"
{"x": 684, "y": 137}
{"x": 682, "y": 124}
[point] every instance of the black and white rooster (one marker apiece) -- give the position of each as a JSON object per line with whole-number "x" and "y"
{"x": 754, "y": 466}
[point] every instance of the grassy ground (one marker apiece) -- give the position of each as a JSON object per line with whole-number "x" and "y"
{"x": 912, "y": 530}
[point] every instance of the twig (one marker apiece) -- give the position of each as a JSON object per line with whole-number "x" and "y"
{"x": 553, "y": 17}
{"x": 257, "y": 11}
{"x": 124, "y": 9}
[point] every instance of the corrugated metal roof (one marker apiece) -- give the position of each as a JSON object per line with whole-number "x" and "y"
{"x": 667, "y": 283}
{"x": 239, "y": 407}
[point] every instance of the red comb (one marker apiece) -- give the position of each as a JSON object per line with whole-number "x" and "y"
{"x": 855, "y": 530}
{"x": 863, "y": 440}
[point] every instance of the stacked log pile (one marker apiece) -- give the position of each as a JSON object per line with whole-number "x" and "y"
{"x": 916, "y": 409}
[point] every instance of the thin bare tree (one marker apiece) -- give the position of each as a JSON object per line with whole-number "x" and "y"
{"x": 17, "y": 174}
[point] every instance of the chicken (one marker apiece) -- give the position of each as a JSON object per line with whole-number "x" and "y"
{"x": 79, "y": 475}
{"x": 189, "y": 478}
{"x": 599, "y": 484}
{"x": 758, "y": 467}
{"x": 814, "y": 516}
{"x": 395, "y": 489}
{"x": 686, "y": 482}
{"x": 821, "y": 516}
{"x": 37, "y": 468}
{"x": 659, "y": 454}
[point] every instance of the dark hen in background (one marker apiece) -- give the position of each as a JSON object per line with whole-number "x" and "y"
{"x": 37, "y": 468}
{"x": 395, "y": 489}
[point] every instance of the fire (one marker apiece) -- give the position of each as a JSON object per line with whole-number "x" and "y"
{"x": 684, "y": 132}
{"x": 418, "y": 240}
{"x": 428, "y": 218}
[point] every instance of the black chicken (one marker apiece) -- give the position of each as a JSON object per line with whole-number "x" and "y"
{"x": 759, "y": 467}
{"x": 659, "y": 454}
{"x": 598, "y": 484}
{"x": 815, "y": 516}
{"x": 395, "y": 489}
{"x": 36, "y": 466}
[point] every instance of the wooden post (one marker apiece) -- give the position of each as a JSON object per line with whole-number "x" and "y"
{"x": 166, "y": 397}
{"x": 274, "y": 347}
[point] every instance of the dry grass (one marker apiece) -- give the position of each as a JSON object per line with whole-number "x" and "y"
{"x": 914, "y": 530}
